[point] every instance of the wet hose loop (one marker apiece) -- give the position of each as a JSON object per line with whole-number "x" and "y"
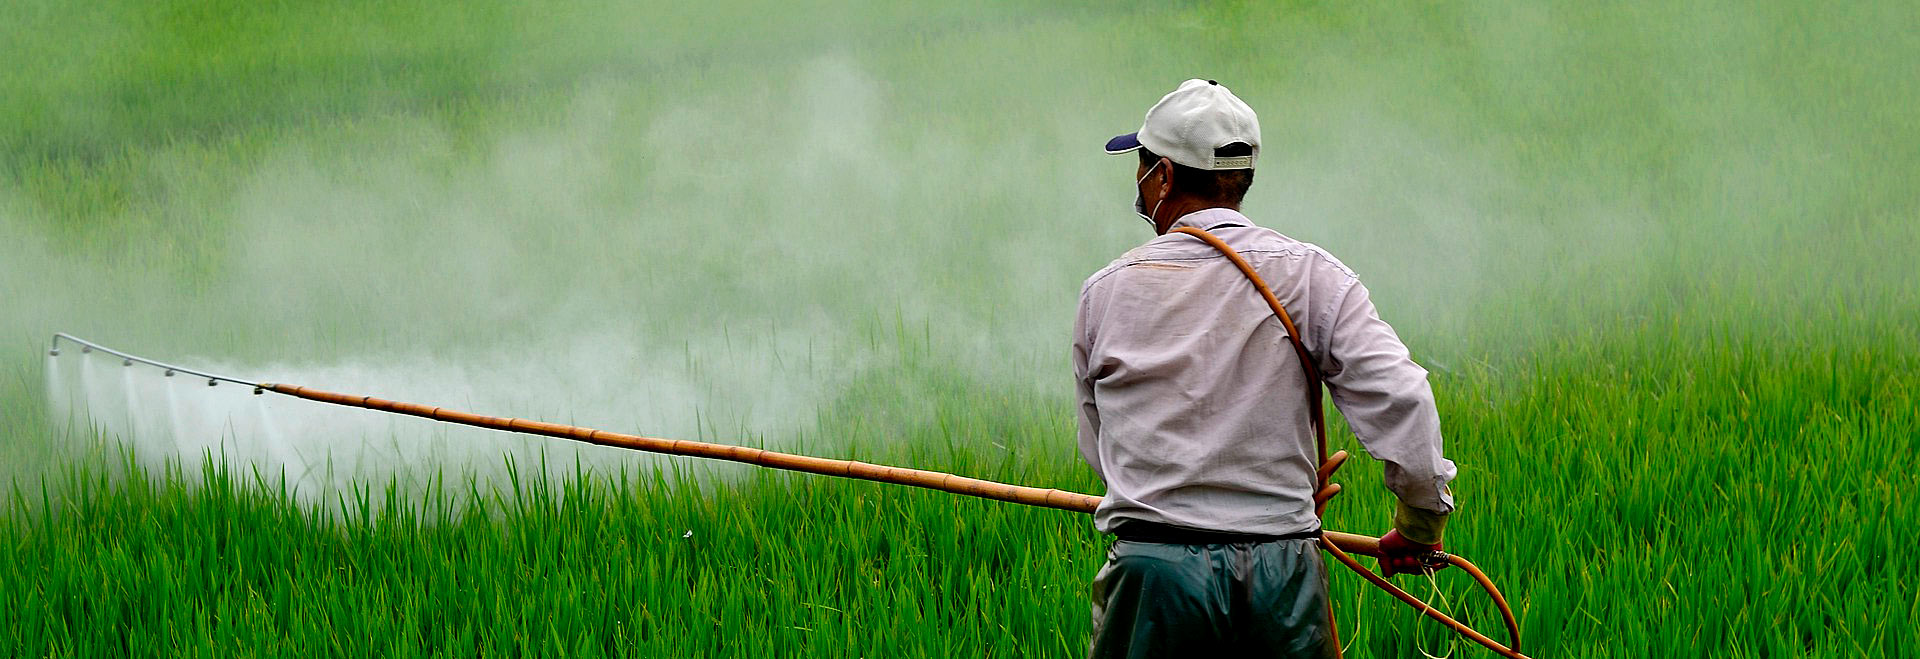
{"x": 1511, "y": 652}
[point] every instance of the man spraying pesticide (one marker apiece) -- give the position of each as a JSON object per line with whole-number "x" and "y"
{"x": 1199, "y": 406}
{"x": 1192, "y": 411}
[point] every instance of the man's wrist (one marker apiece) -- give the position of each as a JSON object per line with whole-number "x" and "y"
{"x": 1417, "y": 525}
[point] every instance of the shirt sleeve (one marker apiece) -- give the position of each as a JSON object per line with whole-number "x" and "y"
{"x": 1387, "y": 402}
{"x": 1083, "y": 386}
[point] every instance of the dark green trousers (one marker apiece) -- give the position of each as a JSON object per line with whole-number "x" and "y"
{"x": 1264, "y": 599}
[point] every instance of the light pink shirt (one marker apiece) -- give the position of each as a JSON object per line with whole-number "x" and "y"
{"x": 1193, "y": 404}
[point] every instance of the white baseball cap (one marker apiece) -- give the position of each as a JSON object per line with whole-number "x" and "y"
{"x": 1193, "y": 120}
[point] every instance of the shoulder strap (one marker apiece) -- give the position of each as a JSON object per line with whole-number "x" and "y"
{"x": 1314, "y": 412}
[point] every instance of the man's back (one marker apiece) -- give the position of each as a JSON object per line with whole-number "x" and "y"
{"x": 1193, "y": 407}
{"x": 1193, "y": 403}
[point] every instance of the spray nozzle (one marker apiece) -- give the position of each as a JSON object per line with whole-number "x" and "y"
{"x": 212, "y": 382}
{"x": 257, "y": 391}
{"x": 86, "y": 349}
{"x": 126, "y": 362}
{"x": 169, "y": 373}
{"x": 55, "y": 352}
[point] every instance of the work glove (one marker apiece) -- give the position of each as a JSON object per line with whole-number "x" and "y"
{"x": 1402, "y": 554}
{"x": 1398, "y": 555}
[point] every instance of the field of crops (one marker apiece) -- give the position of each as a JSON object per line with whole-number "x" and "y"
{"x": 1660, "y": 260}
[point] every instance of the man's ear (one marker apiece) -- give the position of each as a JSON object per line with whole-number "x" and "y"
{"x": 1166, "y": 172}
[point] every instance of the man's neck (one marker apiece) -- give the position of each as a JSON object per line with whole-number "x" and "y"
{"x": 1179, "y": 208}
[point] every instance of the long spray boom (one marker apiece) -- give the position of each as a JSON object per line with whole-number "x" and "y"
{"x": 1341, "y": 545}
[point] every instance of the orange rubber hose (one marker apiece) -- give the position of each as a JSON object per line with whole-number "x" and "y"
{"x": 1506, "y": 612}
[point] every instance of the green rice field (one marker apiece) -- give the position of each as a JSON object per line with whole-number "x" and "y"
{"x": 1660, "y": 259}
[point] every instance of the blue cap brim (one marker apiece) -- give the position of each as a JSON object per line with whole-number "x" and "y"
{"x": 1123, "y": 144}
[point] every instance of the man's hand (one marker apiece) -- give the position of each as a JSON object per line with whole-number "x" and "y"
{"x": 1402, "y": 556}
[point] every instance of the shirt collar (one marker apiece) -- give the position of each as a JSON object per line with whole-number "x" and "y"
{"x": 1212, "y": 217}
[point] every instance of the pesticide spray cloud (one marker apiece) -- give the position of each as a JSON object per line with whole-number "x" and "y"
{"x": 624, "y": 264}
{"x": 539, "y": 279}
{"x": 708, "y": 224}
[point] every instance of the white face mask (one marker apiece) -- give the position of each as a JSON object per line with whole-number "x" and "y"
{"x": 1140, "y": 202}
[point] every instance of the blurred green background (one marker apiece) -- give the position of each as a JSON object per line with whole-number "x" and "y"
{"x": 1658, "y": 256}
